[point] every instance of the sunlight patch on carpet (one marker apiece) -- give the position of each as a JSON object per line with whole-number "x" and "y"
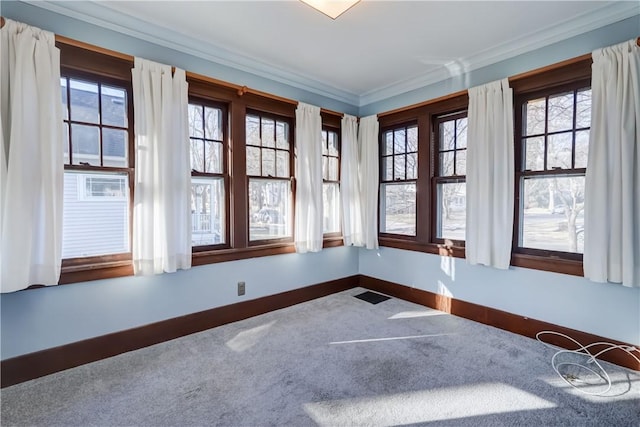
{"x": 410, "y": 337}
{"x": 426, "y": 405}
{"x": 247, "y": 339}
{"x": 412, "y": 314}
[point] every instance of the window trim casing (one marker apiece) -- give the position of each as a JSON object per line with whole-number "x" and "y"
{"x": 226, "y": 173}
{"x": 111, "y": 75}
{"x": 519, "y": 101}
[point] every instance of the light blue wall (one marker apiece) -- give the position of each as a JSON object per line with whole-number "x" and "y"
{"x": 99, "y": 36}
{"x": 570, "y": 48}
{"x": 43, "y": 318}
{"x": 38, "y": 319}
{"x": 605, "y": 309}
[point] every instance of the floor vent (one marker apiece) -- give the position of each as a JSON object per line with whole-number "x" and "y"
{"x": 372, "y": 297}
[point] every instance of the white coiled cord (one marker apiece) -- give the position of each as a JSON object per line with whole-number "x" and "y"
{"x": 583, "y": 350}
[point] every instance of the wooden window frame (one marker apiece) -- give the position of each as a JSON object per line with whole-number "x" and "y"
{"x": 77, "y": 63}
{"x": 194, "y": 100}
{"x": 290, "y": 179}
{"x": 326, "y": 129}
{"x": 384, "y": 130}
{"x": 521, "y": 174}
{"x": 438, "y": 178}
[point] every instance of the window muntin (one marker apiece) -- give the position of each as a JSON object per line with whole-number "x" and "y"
{"x": 450, "y": 177}
{"x": 97, "y": 175}
{"x": 207, "y": 122}
{"x": 398, "y": 176}
{"x": 553, "y": 145}
{"x": 331, "y": 181}
{"x": 269, "y": 172}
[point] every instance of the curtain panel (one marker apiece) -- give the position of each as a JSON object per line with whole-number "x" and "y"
{"x": 309, "y": 214}
{"x": 612, "y": 183}
{"x": 369, "y": 176}
{"x": 349, "y": 186}
{"x": 32, "y": 158}
{"x": 161, "y": 213}
{"x": 490, "y": 175}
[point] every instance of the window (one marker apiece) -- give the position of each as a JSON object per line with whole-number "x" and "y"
{"x": 450, "y": 188}
{"x": 269, "y": 165}
{"x": 209, "y": 206}
{"x": 398, "y": 175}
{"x": 98, "y": 173}
{"x": 331, "y": 181}
{"x": 553, "y": 140}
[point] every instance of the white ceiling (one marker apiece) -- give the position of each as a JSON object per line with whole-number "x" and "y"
{"x": 375, "y": 50}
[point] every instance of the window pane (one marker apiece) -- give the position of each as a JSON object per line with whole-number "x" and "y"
{"x": 412, "y": 139}
{"x": 452, "y": 204}
{"x": 446, "y": 164}
{"x": 331, "y": 207}
{"x": 461, "y": 133}
{"x": 197, "y": 155}
{"x": 412, "y": 166}
{"x": 282, "y": 135}
{"x": 553, "y": 216}
{"x": 398, "y": 167}
{"x": 114, "y": 146}
{"x": 387, "y": 168}
{"x": 399, "y": 141}
{"x": 95, "y": 214}
{"x": 333, "y": 168}
{"x": 253, "y": 161}
{"x": 196, "y": 122}
{"x": 268, "y": 133}
{"x": 213, "y": 122}
{"x": 333, "y": 144}
{"x": 207, "y": 211}
{"x": 269, "y": 209}
{"x": 534, "y": 117}
{"x": 387, "y": 143}
{"x": 85, "y": 144}
{"x": 213, "y": 157}
{"x": 63, "y": 92}
{"x": 268, "y": 162}
{"x": 583, "y": 109}
{"x": 582, "y": 148}
{"x": 560, "y": 112}
{"x": 447, "y": 135}
{"x": 534, "y": 154}
{"x": 253, "y": 130}
{"x": 114, "y": 106}
{"x": 325, "y": 149}
{"x": 461, "y": 162}
{"x": 65, "y": 148}
{"x": 559, "y": 151}
{"x": 282, "y": 164}
{"x": 84, "y": 101}
{"x": 398, "y": 209}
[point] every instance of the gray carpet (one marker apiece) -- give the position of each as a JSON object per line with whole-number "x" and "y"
{"x": 336, "y": 360}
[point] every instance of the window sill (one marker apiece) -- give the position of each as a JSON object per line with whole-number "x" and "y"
{"x": 121, "y": 268}
{"x": 534, "y": 262}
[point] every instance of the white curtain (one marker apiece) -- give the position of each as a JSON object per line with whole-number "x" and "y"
{"x": 612, "y": 184}
{"x": 309, "y": 215}
{"x": 349, "y": 186}
{"x": 161, "y": 212}
{"x": 490, "y": 175}
{"x": 32, "y": 147}
{"x": 369, "y": 177}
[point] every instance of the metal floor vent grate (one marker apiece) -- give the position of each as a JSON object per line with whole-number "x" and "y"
{"x": 372, "y": 297}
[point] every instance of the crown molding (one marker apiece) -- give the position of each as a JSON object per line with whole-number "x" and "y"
{"x": 103, "y": 16}
{"x": 108, "y": 18}
{"x": 583, "y": 23}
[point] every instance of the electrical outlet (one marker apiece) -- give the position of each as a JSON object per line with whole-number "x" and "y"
{"x": 240, "y": 288}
